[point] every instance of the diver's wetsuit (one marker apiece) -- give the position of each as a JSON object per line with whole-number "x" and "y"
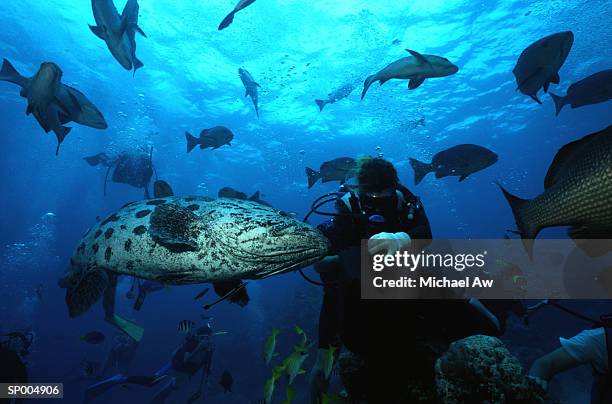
{"x": 386, "y": 334}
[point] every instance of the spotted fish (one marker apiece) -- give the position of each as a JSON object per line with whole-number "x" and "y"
{"x": 185, "y": 240}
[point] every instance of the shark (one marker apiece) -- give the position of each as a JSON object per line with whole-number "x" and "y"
{"x": 250, "y": 85}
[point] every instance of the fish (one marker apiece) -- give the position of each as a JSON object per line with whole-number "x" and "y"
{"x": 161, "y": 189}
{"x": 242, "y": 4}
{"x": 270, "y": 346}
{"x": 593, "y": 89}
{"x": 228, "y": 192}
{"x": 290, "y": 395}
{"x": 337, "y": 95}
{"x": 415, "y": 68}
{"x": 328, "y": 360}
{"x": 182, "y": 241}
{"x": 539, "y": 64}
{"x": 186, "y": 326}
{"x": 201, "y": 294}
{"x": 458, "y": 161}
{"x": 118, "y": 31}
{"x": 214, "y": 138}
{"x": 301, "y": 333}
{"x": 53, "y": 103}
{"x": 250, "y": 85}
{"x": 93, "y": 337}
{"x": 340, "y": 169}
{"x": 577, "y": 189}
{"x": 270, "y": 385}
{"x": 227, "y": 381}
{"x": 293, "y": 363}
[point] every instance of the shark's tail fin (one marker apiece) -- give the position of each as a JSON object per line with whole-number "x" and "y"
{"x": 313, "y": 176}
{"x": 560, "y": 102}
{"x": 191, "y": 141}
{"x": 366, "y": 84}
{"x": 227, "y": 21}
{"x": 420, "y": 170}
{"x": 10, "y": 74}
{"x": 321, "y": 104}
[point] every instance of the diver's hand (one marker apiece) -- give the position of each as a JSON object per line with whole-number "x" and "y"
{"x": 389, "y": 242}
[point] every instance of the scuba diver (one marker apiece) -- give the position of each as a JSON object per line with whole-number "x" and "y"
{"x": 13, "y": 349}
{"x": 121, "y": 355}
{"x": 383, "y": 334}
{"x": 592, "y": 347}
{"x": 194, "y": 354}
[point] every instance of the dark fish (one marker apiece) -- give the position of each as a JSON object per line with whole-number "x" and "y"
{"x": 591, "y": 90}
{"x": 540, "y": 62}
{"x": 99, "y": 159}
{"x": 458, "y": 161}
{"x": 227, "y": 381}
{"x": 93, "y": 337}
{"x": 161, "y": 189}
{"x": 185, "y": 326}
{"x": 577, "y": 193}
{"x": 242, "y": 4}
{"x": 228, "y": 192}
{"x": 201, "y": 294}
{"x": 53, "y": 103}
{"x": 250, "y": 86}
{"x": 214, "y": 138}
{"x": 340, "y": 169}
{"x": 336, "y": 95}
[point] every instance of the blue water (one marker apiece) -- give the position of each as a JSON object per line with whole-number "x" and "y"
{"x": 297, "y": 51}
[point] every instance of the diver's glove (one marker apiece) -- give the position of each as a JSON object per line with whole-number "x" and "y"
{"x": 390, "y": 242}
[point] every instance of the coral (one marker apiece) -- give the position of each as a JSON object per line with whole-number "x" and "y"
{"x": 479, "y": 369}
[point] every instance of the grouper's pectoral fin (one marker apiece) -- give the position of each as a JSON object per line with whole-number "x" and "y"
{"x": 234, "y": 291}
{"x": 128, "y": 327}
{"x": 414, "y": 83}
{"x": 83, "y": 290}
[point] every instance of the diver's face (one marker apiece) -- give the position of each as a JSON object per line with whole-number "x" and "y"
{"x": 378, "y": 199}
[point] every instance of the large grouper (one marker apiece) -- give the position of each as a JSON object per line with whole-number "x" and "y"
{"x": 185, "y": 240}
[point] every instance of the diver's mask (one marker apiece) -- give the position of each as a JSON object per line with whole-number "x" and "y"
{"x": 378, "y": 203}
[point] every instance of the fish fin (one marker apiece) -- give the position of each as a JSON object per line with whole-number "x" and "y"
{"x": 175, "y": 228}
{"x": 137, "y": 64}
{"x": 61, "y": 134}
{"x": 522, "y": 83}
{"x": 536, "y": 99}
{"x": 594, "y": 241}
{"x": 559, "y": 101}
{"x": 234, "y": 291}
{"x": 161, "y": 189}
{"x": 527, "y": 230}
{"x": 246, "y": 92}
{"x": 227, "y": 21}
{"x": 420, "y": 170}
{"x": 257, "y": 84}
{"x": 10, "y": 74}
{"x": 84, "y": 289}
{"x": 546, "y": 85}
{"x": 255, "y": 197}
{"x": 565, "y": 153}
{"x": 191, "y": 141}
{"x": 367, "y": 83}
{"x": 463, "y": 176}
{"x": 140, "y": 31}
{"x": 132, "y": 329}
{"x": 98, "y": 31}
{"x": 414, "y": 83}
{"x": 29, "y": 110}
{"x": 420, "y": 58}
{"x": 313, "y": 176}
{"x": 555, "y": 78}
{"x": 321, "y": 104}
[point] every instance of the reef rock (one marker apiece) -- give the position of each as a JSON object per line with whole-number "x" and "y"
{"x": 479, "y": 369}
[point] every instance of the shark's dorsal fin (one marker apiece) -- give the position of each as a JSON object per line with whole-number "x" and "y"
{"x": 124, "y": 25}
{"x": 420, "y": 58}
{"x": 98, "y": 31}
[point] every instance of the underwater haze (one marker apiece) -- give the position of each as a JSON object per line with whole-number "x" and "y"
{"x": 297, "y": 52}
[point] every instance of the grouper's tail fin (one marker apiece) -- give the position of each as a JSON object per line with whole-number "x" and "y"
{"x": 132, "y": 329}
{"x": 527, "y": 230}
{"x": 191, "y": 141}
{"x": 313, "y": 176}
{"x": 420, "y": 170}
{"x": 366, "y": 84}
{"x": 560, "y": 102}
{"x": 10, "y": 74}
